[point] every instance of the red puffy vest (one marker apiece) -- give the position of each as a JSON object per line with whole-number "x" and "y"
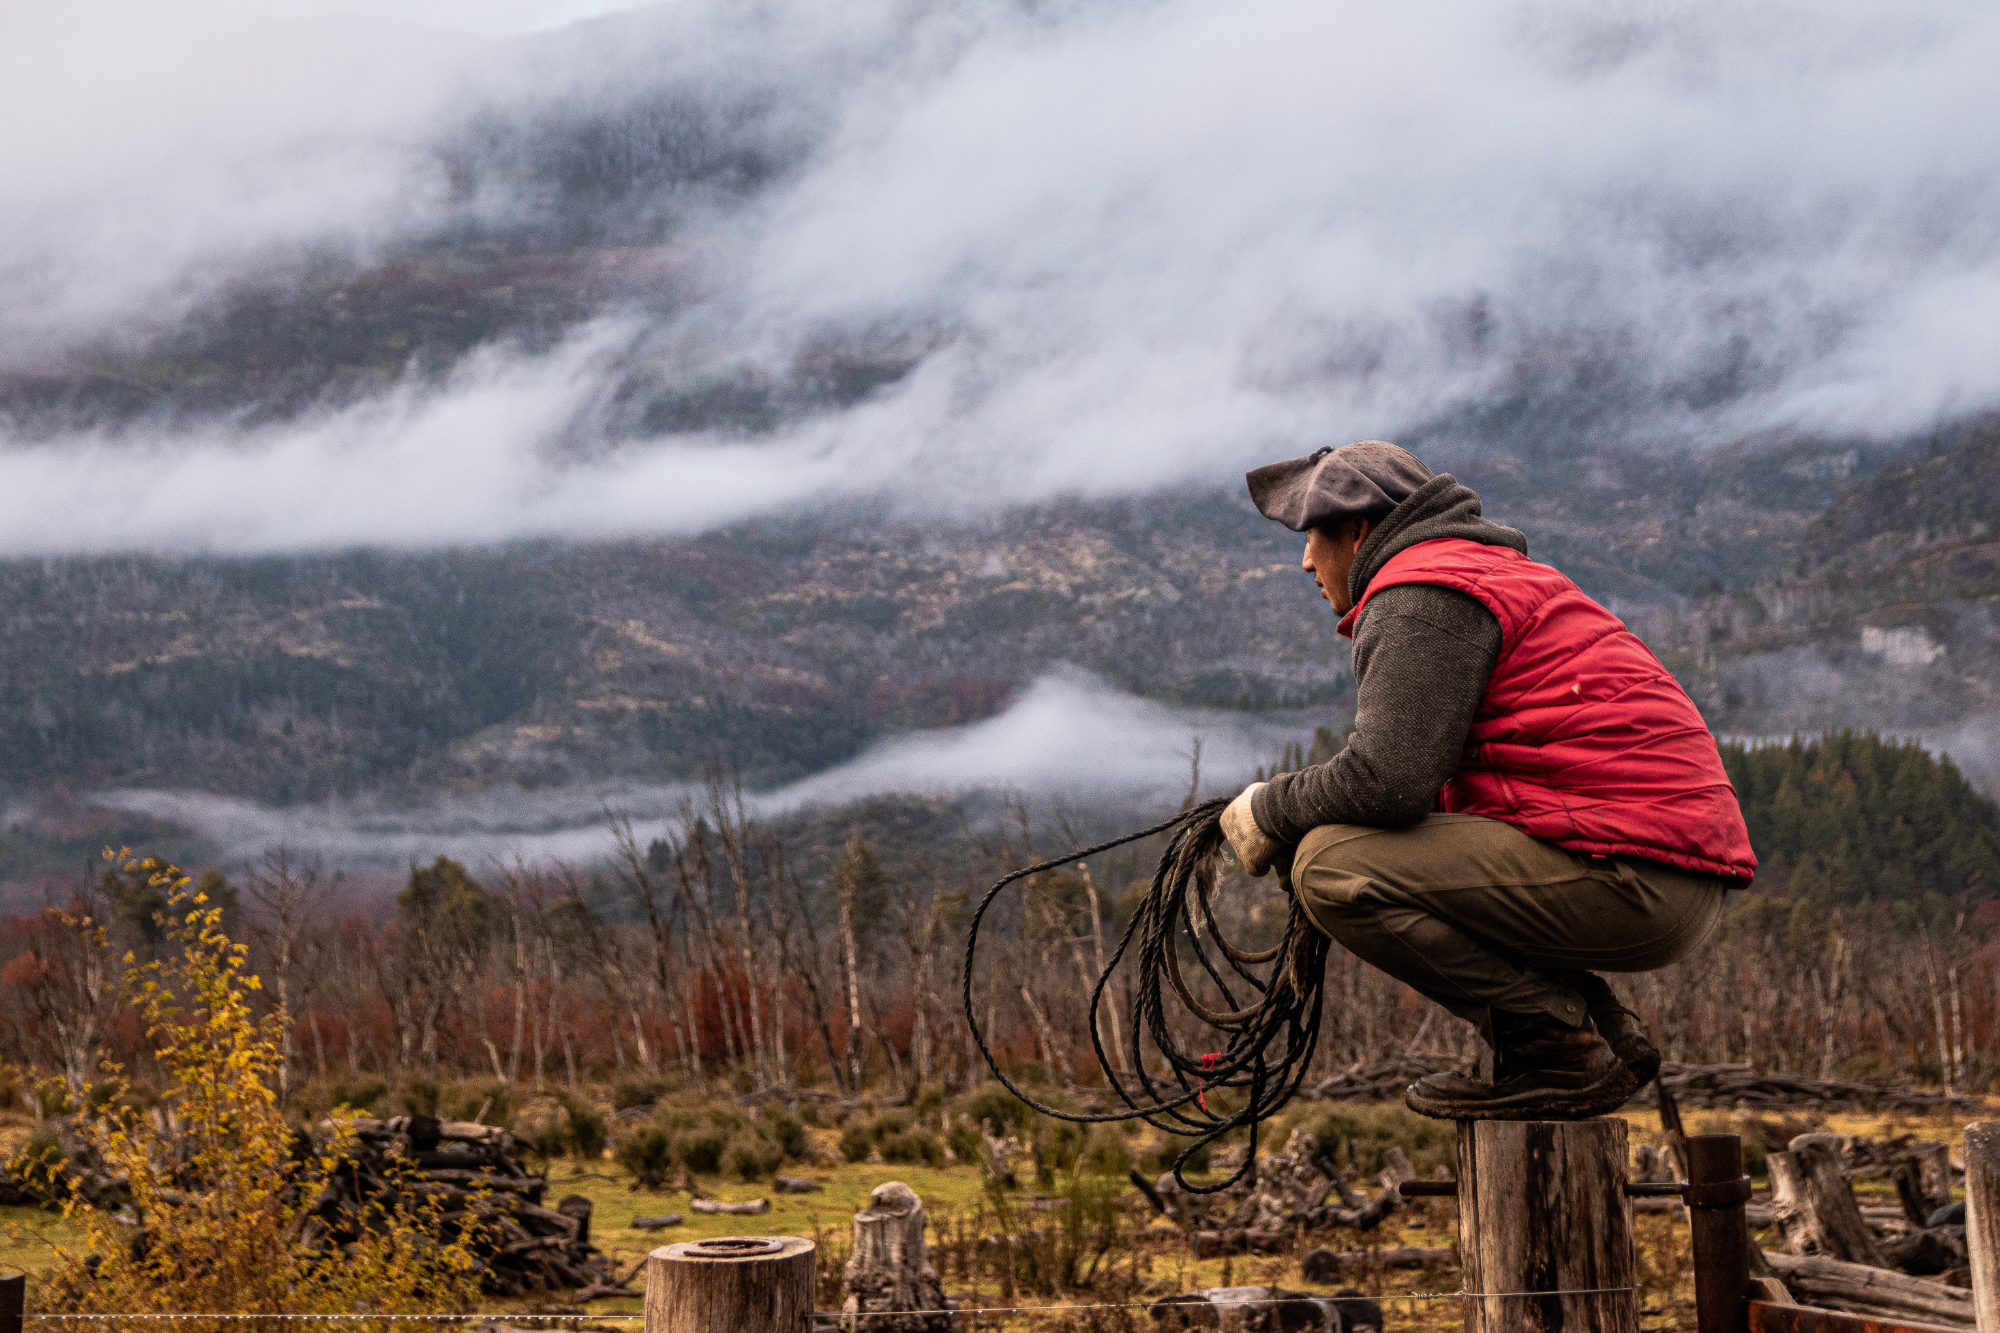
{"x": 1582, "y": 737}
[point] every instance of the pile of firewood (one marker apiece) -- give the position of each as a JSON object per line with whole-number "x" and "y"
{"x": 1906, "y": 1262}
{"x": 1741, "y": 1086}
{"x": 473, "y": 1174}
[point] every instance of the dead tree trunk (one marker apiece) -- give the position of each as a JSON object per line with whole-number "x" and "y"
{"x": 1542, "y": 1208}
{"x": 891, "y": 1268}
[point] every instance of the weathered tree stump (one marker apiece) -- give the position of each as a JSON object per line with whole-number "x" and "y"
{"x": 1542, "y": 1209}
{"x": 1982, "y": 1217}
{"x": 1933, "y": 1176}
{"x": 1814, "y": 1206}
{"x": 731, "y": 1284}
{"x": 577, "y": 1209}
{"x": 891, "y": 1269}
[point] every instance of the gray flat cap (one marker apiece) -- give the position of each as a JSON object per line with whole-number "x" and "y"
{"x": 1364, "y": 480}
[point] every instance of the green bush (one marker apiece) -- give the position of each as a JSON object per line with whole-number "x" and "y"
{"x": 1106, "y": 1153}
{"x": 751, "y": 1157}
{"x": 419, "y": 1097}
{"x": 584, "y": 1133}
{"x": 964, "y": 1140}
{"x": 544, "y": 1138}
{"x": 913, "y": 1146}
{"x": 495, "y": 1098}
{"x": 637, "y": 1092}
{"x": 856, "y": 1141}
{"x": 41, "y": 1167}
{"x": 701, "y": 1150}
{"x": 367, "y": 1095}
{"x": 1002, "y": 1107}
{"x": 1369, "y": 1130}
{"x": 648, "y": 1154}
{"x": 789, "y": 1133}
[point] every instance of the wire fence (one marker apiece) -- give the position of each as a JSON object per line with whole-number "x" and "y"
{"x": 961, "y": 1311}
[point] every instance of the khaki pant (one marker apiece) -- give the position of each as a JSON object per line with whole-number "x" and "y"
{"x": 1477, "y": 915}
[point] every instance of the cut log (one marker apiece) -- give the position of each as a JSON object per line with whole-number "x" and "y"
{"x": 794, "y": 1185}
{"x": 1815, "y": 1207}
{"x": 656, "y": 1223}
{"x": 732, "y": 1284}
{"x": 1324, "y": 1265}
{"x": 891, "y": 1273}
{"x": 1248, "y": 1310}
{"x": 748, "y": 1208}
{"x": 1542, "y": 1208}
{"x": 1860, "y": 1289}
{"x": 1924, "y": 1253}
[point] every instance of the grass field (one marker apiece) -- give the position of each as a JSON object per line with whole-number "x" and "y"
{"x": 1150, "y": 1261}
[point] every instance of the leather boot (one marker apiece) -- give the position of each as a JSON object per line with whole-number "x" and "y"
{"x": 1546, "y": 1070}
{"x": 1627, "y": 1036}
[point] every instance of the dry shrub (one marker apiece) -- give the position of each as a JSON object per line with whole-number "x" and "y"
{"x": 220, "y": 1188}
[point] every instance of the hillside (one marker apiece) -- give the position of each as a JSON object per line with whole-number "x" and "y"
{"x": 786, "y": 646}
{"x": 1887, "y": 619}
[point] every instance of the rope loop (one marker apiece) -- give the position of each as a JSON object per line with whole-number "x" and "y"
{"x": 1267, "y": 1036}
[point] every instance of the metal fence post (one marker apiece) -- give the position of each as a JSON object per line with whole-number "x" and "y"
{"x": 1717, "y": 1189}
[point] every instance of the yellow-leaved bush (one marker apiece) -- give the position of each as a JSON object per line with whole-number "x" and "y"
{"x": 220, "y": 1186}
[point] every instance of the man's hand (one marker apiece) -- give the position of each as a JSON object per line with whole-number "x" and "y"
{"x": 1253, "y": 847}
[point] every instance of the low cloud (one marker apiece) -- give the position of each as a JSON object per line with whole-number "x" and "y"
{"x": 1069, "y": 736}
{"x": 1134, "y": 244}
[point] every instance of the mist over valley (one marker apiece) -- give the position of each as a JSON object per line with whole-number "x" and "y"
{"x": 468, "y": 425}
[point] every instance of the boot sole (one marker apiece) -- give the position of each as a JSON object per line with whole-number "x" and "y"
{"x": 1600, "y": 1098}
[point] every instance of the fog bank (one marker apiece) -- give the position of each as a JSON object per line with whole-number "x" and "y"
{"x": 1068, "y": 736}
{"x": 1105, "y": 245}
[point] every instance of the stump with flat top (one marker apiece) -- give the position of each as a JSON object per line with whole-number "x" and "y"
{"x": 731, "y": 1284}
{"x": 1545, "y": 1228}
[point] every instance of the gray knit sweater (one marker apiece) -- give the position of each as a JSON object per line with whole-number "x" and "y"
{"x": 1422, "y": 655}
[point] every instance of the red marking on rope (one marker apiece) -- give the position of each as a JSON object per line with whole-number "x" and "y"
{"x": 1207, "y": 1063}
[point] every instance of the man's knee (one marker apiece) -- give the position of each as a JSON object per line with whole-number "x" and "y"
{"x": 1351, "y": 864}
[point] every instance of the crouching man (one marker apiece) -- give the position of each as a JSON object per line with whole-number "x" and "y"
{"x": 1529, "y": 797}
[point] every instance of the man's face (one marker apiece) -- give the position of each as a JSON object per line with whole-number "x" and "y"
{"x": 1329, "y": 558}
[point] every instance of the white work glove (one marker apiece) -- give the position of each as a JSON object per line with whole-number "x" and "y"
{"x": 1254, "y": 849}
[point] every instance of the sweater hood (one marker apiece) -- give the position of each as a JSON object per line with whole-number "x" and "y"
{"x": 1441, "y": 507}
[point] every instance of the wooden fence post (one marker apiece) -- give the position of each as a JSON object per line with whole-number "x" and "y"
{"x": 1717, "y": 1190}
{"x": 1982, "y": 1218}
{"x": 13, "y": 1302}
{"x": 731, "y": 1284}
{"x": 1542, "y": 1208}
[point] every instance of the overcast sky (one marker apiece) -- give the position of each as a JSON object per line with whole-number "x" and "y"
{"x": 1135, "y": 243}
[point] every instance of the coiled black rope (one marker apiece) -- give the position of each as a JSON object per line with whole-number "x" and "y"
{"x": 1267, "y": 1037}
